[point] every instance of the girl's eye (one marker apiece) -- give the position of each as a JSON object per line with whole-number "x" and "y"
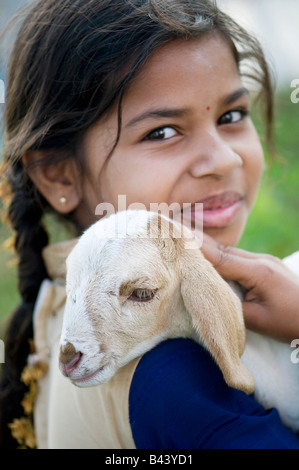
{"x": 142, "y": 295}
{"x": 162, "y": 133}
{"x": 232, "y": 117}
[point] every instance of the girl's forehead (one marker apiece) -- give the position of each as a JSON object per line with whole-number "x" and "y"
{"x": 184, "y": 67}
{"x": 205, "y": 51}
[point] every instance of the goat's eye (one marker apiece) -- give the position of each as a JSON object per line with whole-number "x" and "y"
{"x": 142, "y": 295}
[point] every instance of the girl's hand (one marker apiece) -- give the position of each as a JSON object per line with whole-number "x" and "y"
{"x": 271, "y": 303}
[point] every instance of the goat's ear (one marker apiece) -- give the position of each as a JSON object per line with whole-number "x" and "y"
{"x": 216, "y": 315}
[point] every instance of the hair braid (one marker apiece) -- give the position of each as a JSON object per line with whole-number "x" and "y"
{"x": 25, "y": 213}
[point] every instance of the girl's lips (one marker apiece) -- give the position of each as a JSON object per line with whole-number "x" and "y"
{"x": 219, "y": 210}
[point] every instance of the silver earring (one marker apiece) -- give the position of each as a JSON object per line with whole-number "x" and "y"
{"x": 62, "y": 200}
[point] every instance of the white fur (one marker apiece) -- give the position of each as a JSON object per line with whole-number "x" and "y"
{"x": 276, "y": 376}
{"x": 110, "y": 329}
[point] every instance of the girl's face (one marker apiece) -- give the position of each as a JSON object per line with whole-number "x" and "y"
{"x": 186, "y": 137}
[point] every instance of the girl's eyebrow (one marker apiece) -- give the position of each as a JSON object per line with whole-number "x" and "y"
{"x": 157, "y": 113}
{"x": 180, "y": 112}
{"x": 235, "y": 95}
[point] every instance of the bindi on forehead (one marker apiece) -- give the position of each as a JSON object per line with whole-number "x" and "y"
{"x": 208, "y": 108}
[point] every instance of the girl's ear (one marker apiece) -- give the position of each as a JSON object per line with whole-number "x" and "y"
{"x": 59, "y": 183}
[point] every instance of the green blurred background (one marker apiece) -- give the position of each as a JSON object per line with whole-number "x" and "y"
{"x": 273, "y": 225}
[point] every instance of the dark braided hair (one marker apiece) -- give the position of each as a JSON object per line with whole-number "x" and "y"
{"x": 25, "y": 213}
{"x": 72, "y": 61}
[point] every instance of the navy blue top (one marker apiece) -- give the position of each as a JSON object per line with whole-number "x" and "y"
{"x": 179, "y": 400}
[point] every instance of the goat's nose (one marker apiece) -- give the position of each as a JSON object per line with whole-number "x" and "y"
{"x": 69, "y": 358}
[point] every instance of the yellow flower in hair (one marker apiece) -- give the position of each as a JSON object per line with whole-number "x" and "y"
{"x": 22, "y": 431}
{"x": 29, "y": 399}
{"x": 33, "y": 372}
{"x": 22, "y": 428}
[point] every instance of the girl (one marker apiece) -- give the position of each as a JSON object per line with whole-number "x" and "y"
{"x": 143, "y": 98}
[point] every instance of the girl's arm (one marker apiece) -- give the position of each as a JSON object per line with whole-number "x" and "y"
{"x": 271, "y": 299}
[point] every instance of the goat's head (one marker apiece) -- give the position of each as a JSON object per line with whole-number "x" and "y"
{"x": 129, "y": 290}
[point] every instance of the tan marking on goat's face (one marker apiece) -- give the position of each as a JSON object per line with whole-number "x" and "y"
{"x": 67, "y": 352}
{"x": 167, "y": 236}
{"x": 127, "y": 287}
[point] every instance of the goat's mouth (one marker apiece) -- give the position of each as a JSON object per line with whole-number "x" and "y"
{"x": 94, "y": 378}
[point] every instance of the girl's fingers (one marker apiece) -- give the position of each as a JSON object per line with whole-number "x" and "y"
{"x": 230, "y": 265}
{"x": 243, "y": 266}
{"x": 210, "y": 242}
{"x": 254, "y": 316}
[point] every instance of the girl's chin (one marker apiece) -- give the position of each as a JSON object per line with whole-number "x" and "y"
{"x": 228, "y": 236}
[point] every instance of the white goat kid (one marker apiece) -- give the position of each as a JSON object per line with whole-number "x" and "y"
{"x": 136, "y": 278}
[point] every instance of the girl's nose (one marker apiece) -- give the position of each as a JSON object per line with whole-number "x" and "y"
{"x": 213, "y": 156}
